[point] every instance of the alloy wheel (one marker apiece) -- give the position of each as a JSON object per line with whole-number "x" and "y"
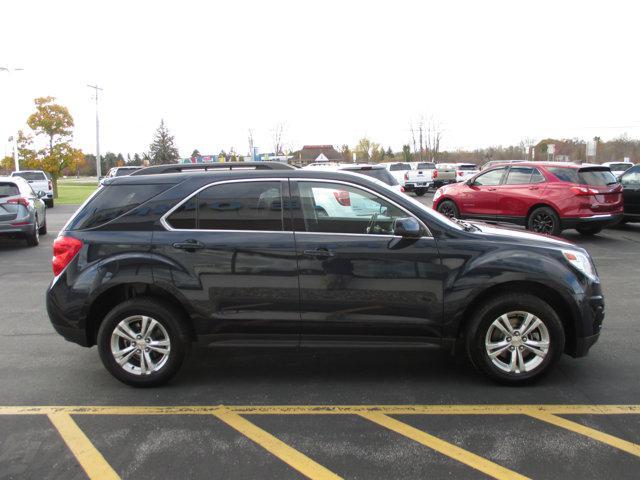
{"x": 517, "y": 342}
{"x": 542, "y": 222}
{"x": 140, "y": 345}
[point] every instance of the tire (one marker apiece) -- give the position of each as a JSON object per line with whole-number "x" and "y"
{"x": 420, "y": 191}
{"x": 544, "y": 220}
{"x": 449, "y": 208}
{"x": 516, "y": 306}
{"x": 588, "y": 230}
{"x": 171, "y": 326}
{"x": 49, "y": 203}
{"x": 33, "y": 238}
{"x": 43, "y": 228}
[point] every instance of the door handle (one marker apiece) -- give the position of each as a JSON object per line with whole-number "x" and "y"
{"x": 492, "y": 189}
{"x": 319, "y": 252}
{"x": 189, "y": 245}
{"x": 534, "y": 188}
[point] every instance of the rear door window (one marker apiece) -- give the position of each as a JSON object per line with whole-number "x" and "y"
{"x": 519, "y": 176}
{"x": 232, "y": 206}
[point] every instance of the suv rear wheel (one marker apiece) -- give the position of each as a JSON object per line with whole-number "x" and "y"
{"x": 143, "y": 342}
{"x": 544, "y": 220}
{"x": 515, "y": 338}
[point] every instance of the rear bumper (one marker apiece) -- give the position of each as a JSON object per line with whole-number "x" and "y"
{"x": 9, "y": 230}
{"x": 595, "y": 221}
{"x": 410, "y": 186}
{"x": 72, "y": 329}
{"x": 583, "y": 344}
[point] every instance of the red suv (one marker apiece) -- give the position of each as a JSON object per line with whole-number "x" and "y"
{"x": 544, "y": 197}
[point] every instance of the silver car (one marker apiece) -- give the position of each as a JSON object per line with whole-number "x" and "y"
{"x": 23, "y": 214}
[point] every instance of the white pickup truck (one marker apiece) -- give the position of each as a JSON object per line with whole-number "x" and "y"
{"x": 420, "y": 178}
{"x": 397, "y": 169}
{"x": 39, "y": 181}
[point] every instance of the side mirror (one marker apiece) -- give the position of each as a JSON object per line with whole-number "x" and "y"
{"x": 41, "y": 194}
{"x": 407, "y": 227}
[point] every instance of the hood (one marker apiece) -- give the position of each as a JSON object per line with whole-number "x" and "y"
{"x": 491, "y": 232}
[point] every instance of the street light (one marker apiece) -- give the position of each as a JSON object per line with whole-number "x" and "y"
{"x": 12, "y": 138}
{"x": 97, "y": 88}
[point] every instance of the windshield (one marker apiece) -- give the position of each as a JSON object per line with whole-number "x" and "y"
{"x": 399, "y": 166}
{"x": 31, "y": 176}
{"x": 426, "y": 166}
{"x": 380, "y": 174}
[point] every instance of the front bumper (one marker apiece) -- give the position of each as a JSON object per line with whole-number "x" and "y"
{"x": 595, "y": 221}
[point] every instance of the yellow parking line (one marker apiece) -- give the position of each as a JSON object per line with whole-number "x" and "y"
{"x": 629, "y": 447}
{"x": 471, "y": 459}
{"x": 329, "y": 410}
{"x": 87, "y": 455}
{"x": 284, "y": 452}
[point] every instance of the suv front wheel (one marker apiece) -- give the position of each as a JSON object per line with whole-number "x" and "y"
{"x": 143, "y": 342}
{"x": 515, "y": 338}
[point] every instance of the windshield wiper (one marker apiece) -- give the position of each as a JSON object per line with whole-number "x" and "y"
{"x": 468, "y": 227}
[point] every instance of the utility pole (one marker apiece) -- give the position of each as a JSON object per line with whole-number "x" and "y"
{"x": 96, "y": 88}
{"x": 12, "y": 138}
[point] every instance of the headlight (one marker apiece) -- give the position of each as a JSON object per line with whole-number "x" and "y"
{"x": 438, "y": 194}
{"x": 581, "y": 262}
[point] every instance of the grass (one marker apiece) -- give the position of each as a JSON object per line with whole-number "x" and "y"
{"x": 74, "y": 192}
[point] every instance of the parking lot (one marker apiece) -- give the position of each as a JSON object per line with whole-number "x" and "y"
{"x": 247, "y": 413}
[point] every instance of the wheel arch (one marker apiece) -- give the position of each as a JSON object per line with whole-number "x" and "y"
{"x": 116, "y": 294}
{"x": 551, "y": 296}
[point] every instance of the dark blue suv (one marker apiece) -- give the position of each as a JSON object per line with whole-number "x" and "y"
{"x": 261, "y": 252}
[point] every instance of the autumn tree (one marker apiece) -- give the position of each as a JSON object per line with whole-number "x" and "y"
{"x": 53, "y": 123}
{"x": 6, "y": 164}
{"x": 163, "y": 150}
{"x": 407, "y": 156}
{"x": 365, "y": 149}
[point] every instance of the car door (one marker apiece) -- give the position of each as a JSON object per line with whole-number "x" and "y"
{"x": 479, "y": 198}
{"x": 522, "y": 188}
{"x": 230, "y": 252}
{"x": 356, "y": 277}
{"x": 630, "y": 181}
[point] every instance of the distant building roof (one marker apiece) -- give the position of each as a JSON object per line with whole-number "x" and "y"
{"x": 312, "y": 153}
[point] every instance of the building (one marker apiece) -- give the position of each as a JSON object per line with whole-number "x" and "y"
{"x": 316, "y": 153}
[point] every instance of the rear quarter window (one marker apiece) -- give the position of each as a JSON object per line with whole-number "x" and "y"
{"x": 585, "y": 176}
{"x": 112, "y": 201}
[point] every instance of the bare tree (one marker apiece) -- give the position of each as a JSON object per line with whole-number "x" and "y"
{"x": 413, "y": 137}
{"x": 526, "y": 145}
{"x": 250, "y": 143}
{"x": 433, "y": 136}
{"x": 278, "y": 133}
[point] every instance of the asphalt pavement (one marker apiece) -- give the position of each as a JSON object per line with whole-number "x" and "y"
{"x": 238, "y": 434}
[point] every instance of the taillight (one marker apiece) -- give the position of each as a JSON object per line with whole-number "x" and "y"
{"x": 64, "y": 249}
{"x": 401, "y": 188}
{"x": 342, "y": 197}
{"x": 50, "y": 185}
{"x": 406, "y": 176}
{"x": 435, "y": 174}
{"x": 460, "y": 174}
{"x": 19, "y": 201}
{"x": 584, "y": 191}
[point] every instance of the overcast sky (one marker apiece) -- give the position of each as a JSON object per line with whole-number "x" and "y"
{"x": 331, "y": 72}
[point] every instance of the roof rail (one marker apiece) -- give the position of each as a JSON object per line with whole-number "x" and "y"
{"x": 181, "y": 167}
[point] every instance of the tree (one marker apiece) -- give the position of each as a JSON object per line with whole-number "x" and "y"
{"x": 346, "y": 153}
{"x": 6, "y": 164}
{"x": 278, "y": 133}
{"x": 162, "y": 150}
{"x": 55, "y": 123}
{"x": 119, "y": 160}
{"x": 407, "y": 156}
{"x": 365, "y": 149}
{"x": 77, "y": 162}
{"x": 390, "y": 153}
{"x": 195, "y": 153}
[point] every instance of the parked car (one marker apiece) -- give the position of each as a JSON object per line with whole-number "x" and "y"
{"x": 445, "y": 173}
{"x": 544, "y": 197}
{"x": 464, "y": 171}
{"x": 121, "y": 171}
{"x": 630, "y": 181}
{"x": 23, "y": 213}
{"x": 420, "y": 178}
{"x": 170, "y": 255}
{"x": 375, "y": 171}
{"x": 40, "y": 182}
{"x": 618, "y": 168}
{"x": 493, "y": 163}
{"x": 397, "y": 169}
